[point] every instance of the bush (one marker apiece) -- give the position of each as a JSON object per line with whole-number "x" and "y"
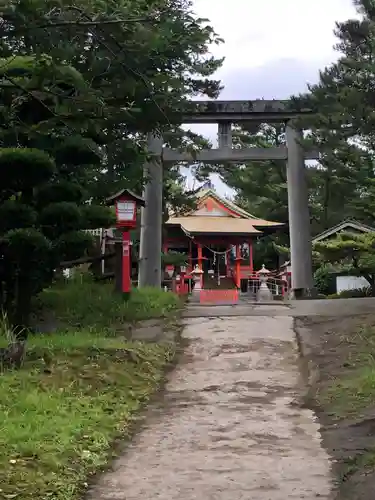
{"x": 83, "y": 303}
{"x": 351, "y": 294}
{"x": 325, "y": 279}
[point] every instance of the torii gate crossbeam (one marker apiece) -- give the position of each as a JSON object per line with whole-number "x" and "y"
{"x": 224, "y": 113}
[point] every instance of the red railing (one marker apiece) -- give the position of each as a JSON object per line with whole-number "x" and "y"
{"x": 182, "y": 286}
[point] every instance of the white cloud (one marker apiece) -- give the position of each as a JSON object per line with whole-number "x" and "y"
{"x": 257, "y": 32}
{"x": 273, "y": 48}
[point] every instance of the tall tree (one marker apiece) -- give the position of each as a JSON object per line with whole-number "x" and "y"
{"x": 143, "y": 58}
{"x": 75, "y": 121}
{"x": 260, "y": 186}
{"x": 343, "y": 127}
{"x": 44, "y": 205}
{"x": 352, "y": 253}
{"x": 342, "y": 184}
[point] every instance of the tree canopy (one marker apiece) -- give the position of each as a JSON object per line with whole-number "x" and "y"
{"x": 342, "y": 184}
{"x": 80, "y": 87}
{"x": 353, "y": 253}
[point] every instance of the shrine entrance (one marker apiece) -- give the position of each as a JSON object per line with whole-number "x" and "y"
{"x": 215, "y": 260}
{"x": 225, "y": 114}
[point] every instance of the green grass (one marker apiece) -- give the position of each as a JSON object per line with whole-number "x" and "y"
{"x": 96, "y": 306}
{"x": 362, "y": 462}
{"x": 57, "y": 428}
{"x": 79, "y": 389}
{"x": 353, "y": 392}
{"x": 348, "y": 396}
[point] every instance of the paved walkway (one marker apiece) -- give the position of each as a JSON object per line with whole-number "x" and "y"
{"x": 298, "y": 308}
{"x": 226, "y": 428}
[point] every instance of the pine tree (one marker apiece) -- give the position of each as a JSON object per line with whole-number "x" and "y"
{"x": 344, "y": 126}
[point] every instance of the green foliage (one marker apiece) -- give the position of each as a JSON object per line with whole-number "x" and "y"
{"x": 59, "y": 419}
{"x": 16, "y": 214}
{"x": 264, "y": 251}
{"x": 26, "y": 265}
{"x": 75, "y": 151}
{"x": 60, "y": 216}
{"x": 25, "y": 247}
{"x": 60, "y": 191}
{"x": 351, "y": 252}
{"x": 261, "y": 186}
{"x": 343, "y": 127}
{"x": 24, "y": 168}
{"x": 325, "y": 279}
{"x": 72, "y": 245}
{"x": 355, "y": 250}
{"x": 74, "y": 122}
{"x": 97, "y": 216}
{"x": 355, "y": 293}
{"x": 38, "y": 227}
{"x": 174, "y": 258}
{"x": 82, "y": 303}
{"x": 140, "y": 76}
{"x": 342, "y": 184}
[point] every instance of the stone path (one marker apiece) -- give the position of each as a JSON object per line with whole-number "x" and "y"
{"x": 298, "y": 308}
{"x": 225, "y": 428}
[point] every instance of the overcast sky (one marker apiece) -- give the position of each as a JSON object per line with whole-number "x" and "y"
{"x": 272, "y": 48}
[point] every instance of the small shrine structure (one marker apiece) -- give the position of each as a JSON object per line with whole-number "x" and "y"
{"x": 217, "y": 236}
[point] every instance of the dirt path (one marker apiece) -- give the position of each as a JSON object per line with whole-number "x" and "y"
{"x": 226, "y": 429}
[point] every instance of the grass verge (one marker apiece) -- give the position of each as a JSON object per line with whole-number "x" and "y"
{"x": 86, "y": 304}
{"x": 348, "y": 398}
{"x": 79, "y": 389}
{"x": 353, "y": 391}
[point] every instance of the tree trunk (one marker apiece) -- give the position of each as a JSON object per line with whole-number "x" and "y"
{"x": 371, "y": 279}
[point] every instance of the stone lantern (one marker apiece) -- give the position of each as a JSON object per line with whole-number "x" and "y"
{"x": 197, "y": 277}
{"x": 264, "y": 293}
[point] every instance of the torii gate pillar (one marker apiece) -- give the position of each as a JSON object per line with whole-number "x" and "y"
{"x": 299, "y": 216}
{"x": 149, "y": 264}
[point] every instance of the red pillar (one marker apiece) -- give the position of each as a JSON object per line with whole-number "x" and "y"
{"x": 126, "y": 282}
{"x": 228, "y": 257}
{"x": 251, "y": 256}
{"x": 200, "y": 261}
{"x": 238, "y": 266}
{"x": 190, "y": 262}
{"x": 164, "y": 250}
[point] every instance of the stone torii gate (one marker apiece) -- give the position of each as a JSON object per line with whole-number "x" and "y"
{"x": 225, "y": 113}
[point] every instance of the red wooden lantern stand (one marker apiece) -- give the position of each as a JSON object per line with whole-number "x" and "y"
{"x": 126, "y": 203}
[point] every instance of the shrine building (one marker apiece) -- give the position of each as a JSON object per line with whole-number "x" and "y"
{"x": 218, "y": 236}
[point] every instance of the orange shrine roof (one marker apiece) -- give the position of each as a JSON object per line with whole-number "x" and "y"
{"x": 216, "y": 215}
